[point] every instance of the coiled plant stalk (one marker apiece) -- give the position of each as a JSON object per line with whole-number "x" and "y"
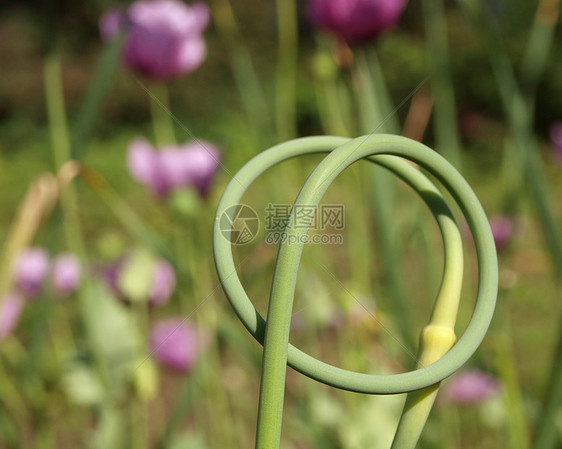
{"x": 439, "y": 356}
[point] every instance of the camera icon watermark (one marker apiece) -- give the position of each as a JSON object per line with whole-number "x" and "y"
{"x": 240, "y": 224}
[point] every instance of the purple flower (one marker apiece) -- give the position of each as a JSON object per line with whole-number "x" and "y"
{"x": 163, "y": 37}
{"x": 11, "y": 307}
{"x": 163, "y": 283}
{"x": 470, "y": 388}
{"x": 190, "y": 165}
{"x": 145, "y": 166}
{"x": 67, "y": 273}
{"x": 355, "y": 21}
{"x": 176, "y": 343}
{"x": 200, "y": 160}
{"x": 30, "y": 269}
{"x": 556, "y": 138}
{"x": 502, "y": 230}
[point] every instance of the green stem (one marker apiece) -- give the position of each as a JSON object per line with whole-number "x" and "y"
{"x": 61, "y": 151}
{"x": 97, "y": 89}
{"x": 538, "y": 48}
{"x": 286, "y": 80}
{"x": 274, "y": 333}
{"x": 516, "y": 422}
{"x": 161, "y": 117}
{"x": 247, "y": 81}
{"x": 445, "y": 123}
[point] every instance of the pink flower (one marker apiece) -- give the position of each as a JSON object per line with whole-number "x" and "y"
{"x": 470, "y": 388}
{"x": 356, "y": 21}
{"x": 67, "y": 273}
{"x": 556, "y": 138}
{"x": 163, "y": 283}
{"x": 176, "y": 343}
{"x": 145, "y": 166}
{"x": 200, "y": 160}
{"x": 190, "y": 165}
{"x": 30, "y": 268}
{"x": 11, "y": 308}
{"x": 502, "y": 230}
{"x": 163, "y": 37}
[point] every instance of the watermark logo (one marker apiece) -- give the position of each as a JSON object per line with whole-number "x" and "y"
{"x": 239, "y": 224}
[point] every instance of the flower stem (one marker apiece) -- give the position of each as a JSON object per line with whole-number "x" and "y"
{"x": 286, "y": 80}
{"x": 446, "y": 130}
{"x": 161, "y": 115}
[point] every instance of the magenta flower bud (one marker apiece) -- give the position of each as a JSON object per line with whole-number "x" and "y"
{"x": 470, "y": 388}
{"x": 176, "y": 343}
{"x": 67, "y": 273}
{"x": 163, "y": 283}
{"x": 201, "y": 160}
{"x": 11, "y": 308}
{"x": 191, "y": 165}
{"x": 556, "y": 139}
{"x": 502, "y": 230}
{"x": 163, "y": 37}
{"x": 356, "y": 21}
{"x": 145, "y": 165}
{"x": 30, "y": 269}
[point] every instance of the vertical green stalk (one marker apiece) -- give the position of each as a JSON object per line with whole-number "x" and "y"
{"x": 247, "y": 82}
{"x": 382, "y": 188}
{"x": 517, "y": 427}
{"x": 101, "y": 81}
{"x": 445, "y": 124}
{"x": 61, "y": 151}
{"x": 161, "y": 119}
{"x": 538, "y": 47}
{"x": 286, "y": 79}
{"x": 437, "y": 338}
{"x": 334, "y": 117}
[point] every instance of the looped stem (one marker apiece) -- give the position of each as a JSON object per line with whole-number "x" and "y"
{"x": 439, "y": 356}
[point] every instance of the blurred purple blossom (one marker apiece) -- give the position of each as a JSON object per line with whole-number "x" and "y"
{"x": 356, "y": 21}
{"x": 190, "y": 165}
{"x": 163, "y": 37}
{"x": 470, "y": 388}
{"x": 176, "y": 343}
{"x": 30, "y": 268}
{"x": 556, "y": 138}
{"x": 11, "y": 308}
{"x": 67, "y": 273}
{"x": 502, "y": 229}
{"x": 163, "y": 283}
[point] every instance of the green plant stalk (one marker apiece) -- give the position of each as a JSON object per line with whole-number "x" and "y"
{"x": 518, "y": 431}
{"x": 438, "y": 337}
{"x": 520, "y": 124}
{"x": 89, "y": 108}
{"x": 327, "y": 94}
{"x": 381, "y": 149}
{"x": 382, "y": 192}
{"x": 162, "y": 121}
{"x": 61, "y": 151}
{"x": 538, "y": 48}
{"x": 247, "y": 81}
{"x": 286, "y": 78}
{"x": 445, "y": 123}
